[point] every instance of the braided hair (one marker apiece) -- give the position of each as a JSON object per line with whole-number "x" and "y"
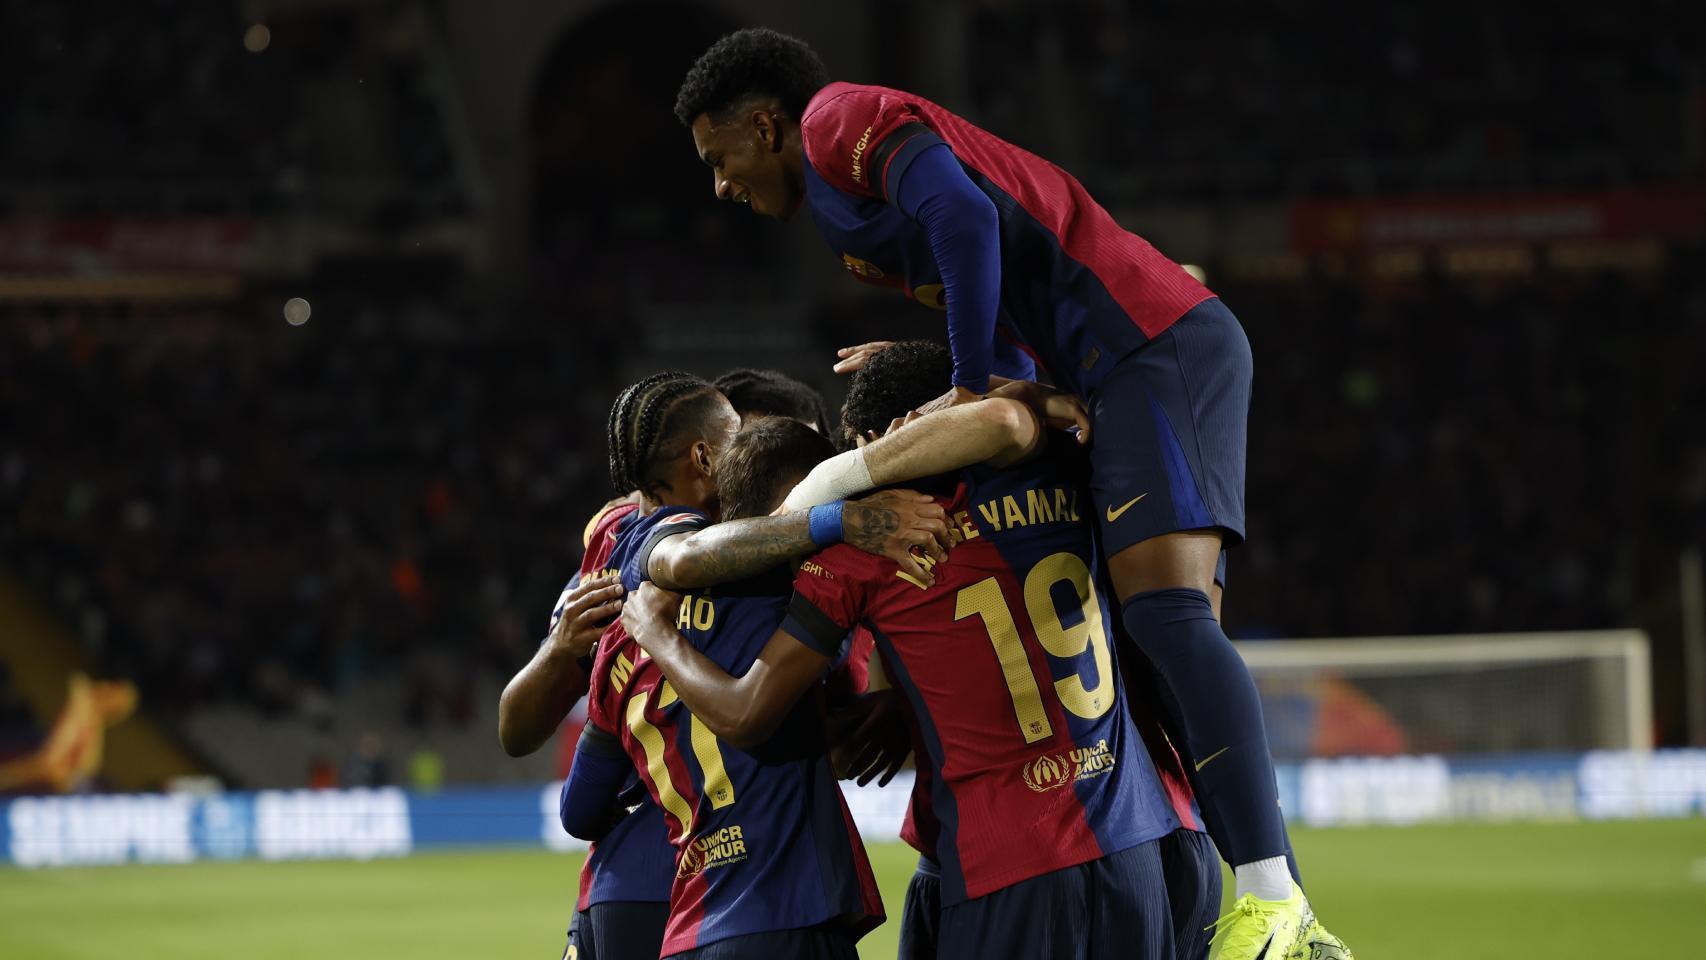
{"x": 645, "y": 416}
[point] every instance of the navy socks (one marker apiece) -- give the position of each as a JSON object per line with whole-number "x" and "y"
{"x": 1210, "y": 704}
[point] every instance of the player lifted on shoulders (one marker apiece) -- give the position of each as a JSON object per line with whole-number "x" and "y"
{"x": 911, "y": 196}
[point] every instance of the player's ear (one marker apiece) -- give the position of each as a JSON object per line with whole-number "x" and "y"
{"x": 700, "y": 453}
{"x": 768, "y": 126}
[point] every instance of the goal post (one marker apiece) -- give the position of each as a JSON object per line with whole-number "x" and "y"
{"x": 1456, "y": 695}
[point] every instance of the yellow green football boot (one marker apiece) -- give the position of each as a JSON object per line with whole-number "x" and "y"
{"x": 1318, "y": 944}
{"x": 1263, "y": 929}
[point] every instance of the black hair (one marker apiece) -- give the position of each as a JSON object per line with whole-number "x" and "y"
{"x": 764, "y": 461}
{"x": 645, "y": 418}
{"x": 772, "y": 393}
{"x": 755, "y": 61}
{"x": 893, "y": 382}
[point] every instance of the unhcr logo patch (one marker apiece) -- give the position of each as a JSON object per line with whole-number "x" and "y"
{"x": 1051, "y": 771}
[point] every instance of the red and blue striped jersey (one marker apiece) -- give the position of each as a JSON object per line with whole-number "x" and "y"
{"x": 1033, "y": 761}
{"x": 763, "y": 837}
{"x": 635, "y": 861}
{"x": 1078, "y": 291}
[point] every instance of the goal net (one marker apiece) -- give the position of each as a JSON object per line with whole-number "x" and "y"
{"x": 1454, "y": 695}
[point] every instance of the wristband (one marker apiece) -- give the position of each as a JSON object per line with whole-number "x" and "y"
{"x": 825, "y": 524}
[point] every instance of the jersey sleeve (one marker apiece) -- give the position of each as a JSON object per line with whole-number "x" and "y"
{"x": 862, "y": 140}
{"x": 828, "y": 600}
{"x": 665, "y": 523}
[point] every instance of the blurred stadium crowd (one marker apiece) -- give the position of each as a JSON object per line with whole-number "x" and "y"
{"x": 1329, "y": 99}
{"x": 154, "y": 106}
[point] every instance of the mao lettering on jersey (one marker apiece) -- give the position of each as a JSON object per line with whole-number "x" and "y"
{"x": 762, "y": 838}
{"x": 1009, "y": 667}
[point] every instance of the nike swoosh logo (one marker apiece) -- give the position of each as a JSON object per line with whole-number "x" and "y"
{"x": 1116, "y": 514}
{"x": 1263, "y": 955}
{"x": 1211, "y": 756}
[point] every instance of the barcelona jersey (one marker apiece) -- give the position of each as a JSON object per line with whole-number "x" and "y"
{"x": 1032, "y": 759}
{"x": 763, "y": 837}
{"x": 1078, "y": 292}
{"x": 634, "y": 862}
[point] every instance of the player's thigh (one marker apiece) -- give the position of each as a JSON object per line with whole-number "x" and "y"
{"x": 622, "y": 930}
{"x": 1192, "y": 867}
{"x": 1044, "y": 916}
{"x": 823, "y": 942}
{"x": 1170, "y": 423}
{"x": 1131, "y": 916}
{"x": 921, "y": 917}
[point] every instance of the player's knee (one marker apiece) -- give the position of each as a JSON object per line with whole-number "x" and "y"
{"x": 1185, "y": 558}
{"x": 1174, "y": 622}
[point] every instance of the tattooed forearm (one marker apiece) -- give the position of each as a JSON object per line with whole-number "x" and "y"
{"x": 730, "y": 551}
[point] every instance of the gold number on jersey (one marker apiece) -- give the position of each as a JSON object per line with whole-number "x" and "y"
{"x": 708, "y": 751}
{"x": 1067, "y": 643}
{"x": 718, "y": 787}
{"x": 984, "y": 599}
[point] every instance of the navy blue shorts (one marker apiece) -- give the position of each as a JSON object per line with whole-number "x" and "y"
{"x": 1115, "y": 907}
{"x": 617, "y": 931}
{"x": 825, "y": 942}
{"x": 1192, "y": 867}
{"x": 1168, "y": 427}
{"x": 921, "y": 918}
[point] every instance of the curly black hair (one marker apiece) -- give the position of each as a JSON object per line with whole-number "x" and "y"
{"x": 754, "y": 61}
{"x": 894, "y": 381}
{"x": 645, "y": 420}
{"x": 775, "y": 394}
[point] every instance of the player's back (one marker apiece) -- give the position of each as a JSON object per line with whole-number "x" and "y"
{"x": 1008, "y": 666}
{"x": 1078, "y": 289}
{"x": 763, "y": 836}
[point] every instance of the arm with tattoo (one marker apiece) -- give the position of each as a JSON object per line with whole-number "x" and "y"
{"x": 887, "y": 524}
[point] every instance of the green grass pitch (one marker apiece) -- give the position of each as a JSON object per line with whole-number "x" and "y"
{"x": 1524, "y": 890}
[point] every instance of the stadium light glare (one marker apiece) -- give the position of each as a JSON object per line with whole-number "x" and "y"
{"x": 297, "y": 311}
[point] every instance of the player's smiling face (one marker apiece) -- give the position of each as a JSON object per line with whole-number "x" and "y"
{"x": 754, "y": 159}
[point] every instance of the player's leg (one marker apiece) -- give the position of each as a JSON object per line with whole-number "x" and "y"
{"x": 1130, "y": 912}
{"x": 1209, "y": 700}
{"x": 1169, "y": 424}
{"x": 921, "y": 917}
{"x": 1168, "y": 480}
{"x": 1044, "y": 916}
{"x": 1192, "y": 869}
{"x": 622, "y": 930}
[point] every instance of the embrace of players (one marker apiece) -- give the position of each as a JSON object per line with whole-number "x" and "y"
{"x": 1029, "y": 603}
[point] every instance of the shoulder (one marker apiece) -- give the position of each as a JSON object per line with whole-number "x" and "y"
{"x": 839, "y": 564}
{"x": 606, "y": 519}
{"x": 666, "y": 521}
{"x": 845, "y": 126}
